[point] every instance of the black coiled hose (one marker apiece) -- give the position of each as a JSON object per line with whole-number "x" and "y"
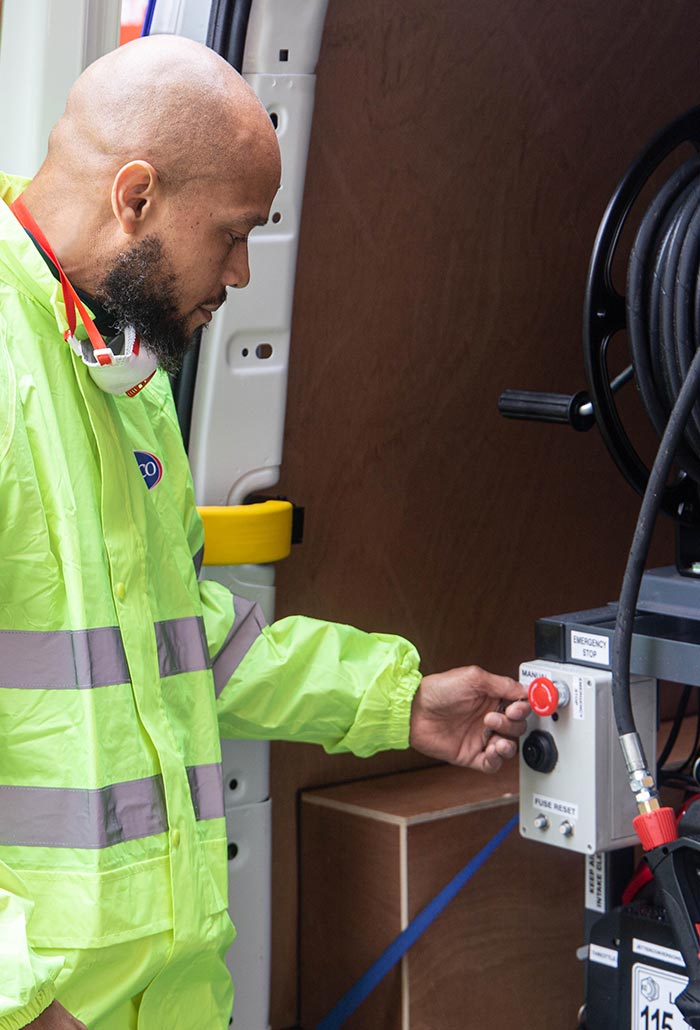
{"x": 622, "y": 640}
{"x": 663, "y": 321}
{"x": 663, "y": 304}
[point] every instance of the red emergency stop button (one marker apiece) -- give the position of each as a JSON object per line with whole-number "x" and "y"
{"x": 543, "y": 696}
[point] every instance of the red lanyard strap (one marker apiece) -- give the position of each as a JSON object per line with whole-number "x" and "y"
{"x": 70, "y": 297}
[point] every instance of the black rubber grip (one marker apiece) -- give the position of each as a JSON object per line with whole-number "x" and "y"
{"x": 676, "y": 867}
{"x": 546, "y": 407}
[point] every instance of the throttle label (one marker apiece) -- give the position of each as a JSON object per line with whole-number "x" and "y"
{"x": 604, "y": 956}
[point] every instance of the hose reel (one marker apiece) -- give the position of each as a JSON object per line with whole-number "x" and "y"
{"x": 660, "y": 312}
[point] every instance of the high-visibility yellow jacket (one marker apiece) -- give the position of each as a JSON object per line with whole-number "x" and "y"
{"x": 119, "y": 670}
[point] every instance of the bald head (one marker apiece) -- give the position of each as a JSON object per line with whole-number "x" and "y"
{"x": 166, "y": 100}
{"x": 162, "y": 163}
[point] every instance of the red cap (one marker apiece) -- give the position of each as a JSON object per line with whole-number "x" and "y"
{"x": 543, "y": 696}
{"x": 656, "y": 828}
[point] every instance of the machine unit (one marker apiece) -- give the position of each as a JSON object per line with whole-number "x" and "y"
{"x": 573, "y": 789}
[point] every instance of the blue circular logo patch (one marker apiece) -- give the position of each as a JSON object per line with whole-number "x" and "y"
{"x": 150, "y": 468}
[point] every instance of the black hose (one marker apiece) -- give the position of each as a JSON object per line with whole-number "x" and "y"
{"x": 663, "y": 322}
{"x": 675, "y": 730}
{"x": 622, "y": 639}
{"x": 662, "y": 301}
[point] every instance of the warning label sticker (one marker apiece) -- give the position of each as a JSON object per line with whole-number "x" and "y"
{"x": 590, "y": 647}
{"x": 552, "y": 805}
{"x": 653, "y": 999}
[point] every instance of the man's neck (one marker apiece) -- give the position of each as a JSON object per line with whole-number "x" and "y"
{"x": 101, "y": 317}
{"x": 72, "y": 237}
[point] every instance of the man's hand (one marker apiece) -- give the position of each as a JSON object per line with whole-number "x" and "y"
{"x": 55, "y": 1017}
{"x": 468, "y": 717}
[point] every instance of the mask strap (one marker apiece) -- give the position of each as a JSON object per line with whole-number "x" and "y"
{"x": 103, "y": 355}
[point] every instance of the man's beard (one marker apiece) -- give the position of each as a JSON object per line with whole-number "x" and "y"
{"x": 141, "y": 290}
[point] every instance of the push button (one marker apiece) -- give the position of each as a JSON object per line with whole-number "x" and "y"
{"x": 175, "y": 838}
{"x": 119, "y": 591}
{"x": 540, "y": 752}
{"x": 545, "y": 696}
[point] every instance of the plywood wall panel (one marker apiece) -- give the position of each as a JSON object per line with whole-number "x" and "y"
{"x": 503, "y": 951}
{"x": 461, "y": 157}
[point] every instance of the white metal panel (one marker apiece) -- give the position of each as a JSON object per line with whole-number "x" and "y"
{"x": 284, "y": 36}
{"x": 182, "y": 18}
{"x": 249, "y": 830}
{"x": 44, "y": 46}
{"x": 239, "y": 404}
{"x": 246, "y": 772}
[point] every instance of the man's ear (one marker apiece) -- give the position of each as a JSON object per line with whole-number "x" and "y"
{"x": 133, "y": 194}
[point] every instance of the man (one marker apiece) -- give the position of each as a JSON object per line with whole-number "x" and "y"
{"x": 119, "y": 670}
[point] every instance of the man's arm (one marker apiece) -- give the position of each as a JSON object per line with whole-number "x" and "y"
{"x": 55, "y": 1017}
{"x": 26, "y": 978}
{"x": 330, "y": 684}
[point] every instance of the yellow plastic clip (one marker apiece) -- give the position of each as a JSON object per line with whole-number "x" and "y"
{"x": 247, "y": 534}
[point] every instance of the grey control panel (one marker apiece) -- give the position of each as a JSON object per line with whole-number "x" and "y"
{"x": 574, "y": 791}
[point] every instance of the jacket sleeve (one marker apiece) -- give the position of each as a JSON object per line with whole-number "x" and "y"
{"x": 306, "y": 680}
{"x": 26, "y": 978}
{"x": 302, "y": 679}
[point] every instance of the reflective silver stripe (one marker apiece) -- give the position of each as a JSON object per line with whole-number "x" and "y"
{"x": 63, "y": 817}
{"x": 65, "y": 659}
{"x": 207, "y": 789}
{"x": 182, "y": 646}
{"x": 197, "y": 559}
{"x": 248, "y": 624}
{"x": 60, "y": 817}
{"x": 85, "y": 658}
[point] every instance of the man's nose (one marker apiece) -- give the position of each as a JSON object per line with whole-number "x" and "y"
{"x": 237, "y": 273}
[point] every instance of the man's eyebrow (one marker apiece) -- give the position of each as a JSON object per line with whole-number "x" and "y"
{"x": 252, "y": 219}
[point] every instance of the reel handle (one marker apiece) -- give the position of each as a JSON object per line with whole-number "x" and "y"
{"x": 574, "y": 410}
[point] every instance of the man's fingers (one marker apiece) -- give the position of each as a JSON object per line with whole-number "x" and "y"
{"x": 502, "y": 687}
{"x": 518, "y": 710}
{"x": 506, "y": 748}
{"x": 488, "y": 761}
{"x": 509, "y": 723}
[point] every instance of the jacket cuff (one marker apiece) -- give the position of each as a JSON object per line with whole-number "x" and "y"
{"x": 408, "y": 680}
{"x": 21, "y": 1017}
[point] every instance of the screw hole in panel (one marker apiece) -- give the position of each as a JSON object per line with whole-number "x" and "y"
{"x": 263, "y": 351}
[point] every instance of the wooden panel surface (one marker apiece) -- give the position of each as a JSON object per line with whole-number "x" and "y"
{"x": 461, "y": 157}
{"x": 413, "y": 797}
{"x": 503, "y": 953}
{"x": 522, "y": 913}
{"x": 351, "y": 911}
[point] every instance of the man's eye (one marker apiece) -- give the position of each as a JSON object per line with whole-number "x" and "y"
{"x": 233, "y": 240}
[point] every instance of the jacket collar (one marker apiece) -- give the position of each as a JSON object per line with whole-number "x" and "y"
{"x": 21, "y": 264}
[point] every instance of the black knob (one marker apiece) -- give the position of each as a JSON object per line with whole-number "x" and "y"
{"x": 540, "y": 751}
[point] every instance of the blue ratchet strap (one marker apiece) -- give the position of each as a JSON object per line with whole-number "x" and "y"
{"x": 148, "y": 18}
{"x": 353, "y": 998}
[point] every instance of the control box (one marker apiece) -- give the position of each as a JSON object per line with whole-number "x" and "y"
{"x": 574, "y": 789}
